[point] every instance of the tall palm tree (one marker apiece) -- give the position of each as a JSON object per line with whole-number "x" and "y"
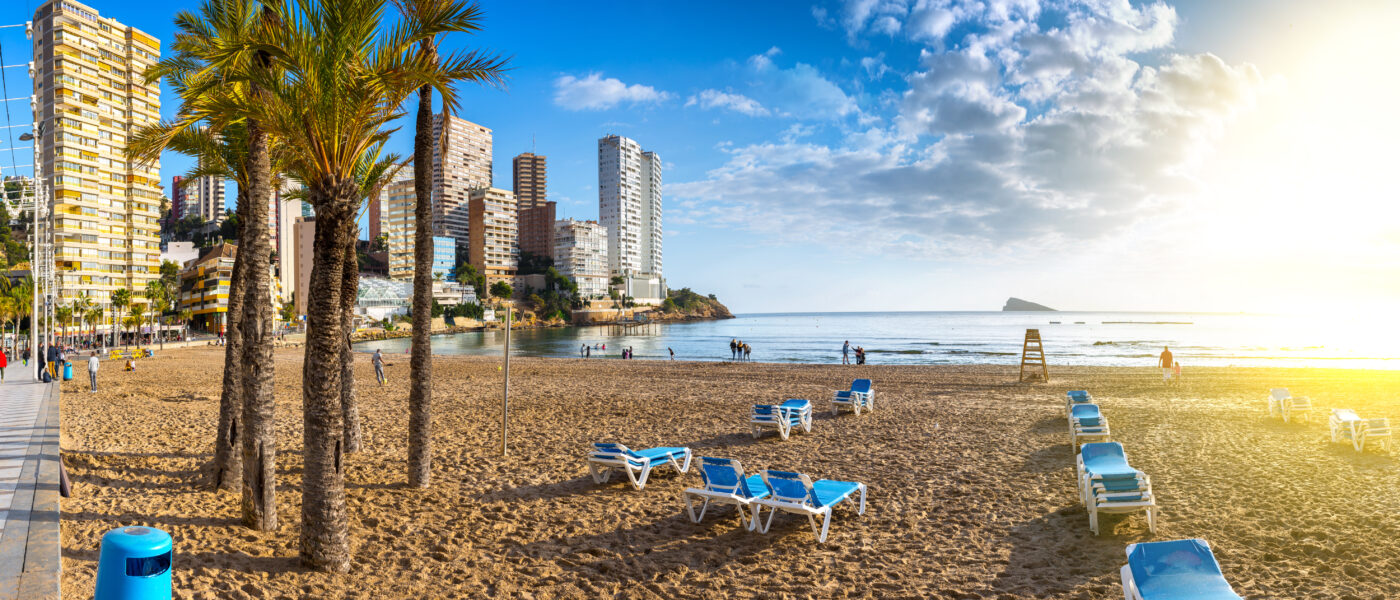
{"x": 433, "y": 18}
{"x": 81, "y": 307}
{"x": 216, "y": 51}
{"x": 138, "y": 318}
{"x": 374, "y": 172}
{"x": 121, "y": 298}
{"x": 159, "y": 298}
{"x": 64, "y": 315}
{"x": 94, "y": 316}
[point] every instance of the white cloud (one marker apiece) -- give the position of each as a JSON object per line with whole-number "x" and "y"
{"x": 736, "y": 102}
{"x": 874, "y": 66}
{"x": 1010, "y": 136}
{"x": 593, "y": 92}
{"x": 801, "y": 92}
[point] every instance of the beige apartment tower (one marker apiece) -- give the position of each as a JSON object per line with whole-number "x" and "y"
{"x": 89, "y": 94}
{"x": 461, "y": 163}
{"x": 493, "y": 248}
{"x": 396, "y": 222}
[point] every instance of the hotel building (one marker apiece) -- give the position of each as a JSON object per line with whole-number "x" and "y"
{"x": 396, "y": 222}
{"x": 89, "y": 94}
{"x": 461, "y": 163}
{"x": 493, "y": 247}
{"x": 535, "y": 214}
{"x": 581, "y": 253}
{"x": 629, "y": 206}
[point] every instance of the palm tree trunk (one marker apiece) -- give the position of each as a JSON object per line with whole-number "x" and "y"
{"x": 349, "y": 291}
{"x": 228, "y": 445}
{"x": 420, "y": 384}
{"x": 325, "y": 543}
{"x": 260, "y": 437}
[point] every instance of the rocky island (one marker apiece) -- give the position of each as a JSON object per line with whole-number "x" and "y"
{"x": 1017, "y": 304}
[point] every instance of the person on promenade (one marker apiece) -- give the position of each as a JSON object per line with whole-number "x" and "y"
{"x": 4, "y": 361}
{"x": 378, "y": 360}
{"x": 26, "y": 356}
{"x": 1165, "y": 362}
{"x": 846, "y": 353}
{"x": 51, "y": 357}
{"x": 92, "y": 372}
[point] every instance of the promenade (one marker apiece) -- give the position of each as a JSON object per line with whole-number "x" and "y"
{"x": 29, "y": 496}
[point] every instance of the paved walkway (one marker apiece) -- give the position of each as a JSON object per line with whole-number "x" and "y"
{"x": 29, "y": 504}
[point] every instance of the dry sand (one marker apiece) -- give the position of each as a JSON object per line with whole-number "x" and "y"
{"x": 970, "y": 475}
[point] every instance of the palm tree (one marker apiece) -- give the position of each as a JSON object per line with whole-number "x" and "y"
{"x": 159, "y": 297}
{"x": 94, "y": 315}
{"x": 8, "y": 312}
{"x": 64, "y": 315}
{"x": 215, "y": 54}
{"x": 121, "y": 298}
{"x": 138, "y": 317}
{"x": 23, "y": 295}
{"x": 374, "y": 172}
{"x": 433, "y": 18}
{"x": 81, "y": 308}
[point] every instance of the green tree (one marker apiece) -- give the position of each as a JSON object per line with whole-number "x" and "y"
{"x": 468, "y": 275}
{"x": 432, "y": 19}
{"x": 501, "y": 290}
{"x": 121, "y": 298}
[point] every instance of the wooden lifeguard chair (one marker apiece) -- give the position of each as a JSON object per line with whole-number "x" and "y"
{"x": 1033, "y": 356}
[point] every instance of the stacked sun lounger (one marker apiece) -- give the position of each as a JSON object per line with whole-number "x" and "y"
{"x": 777, "y": 491}
{"x": 1174, "y": 570}
{"x": 860, "y": 397}
{"x": 1348, "y": 427}
{"x": 1087, "y": 424}
{"x": 1076, "y": 397}
{"x": 606, "y": 458}
{"x": 1108, "y": 485}
{"x": 1284, "y": 405}
{"x": 792, "y": 414}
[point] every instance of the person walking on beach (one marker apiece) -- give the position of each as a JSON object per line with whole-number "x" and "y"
{"x": 92, "y": 372}
{"x": 582, "y": 349}
{"x": 378, "y": 360}
{"x": 588, "y": 353}
{"x": 846, "y": 353}
{"x": 668, "y": 349}
{"x": 1165, "y": 361}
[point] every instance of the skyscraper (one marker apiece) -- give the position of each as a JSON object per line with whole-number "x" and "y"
{"x": 205, "y": 197}
{"x": 493, "y": 248}
{"x": 535, "y": 213}
{"x": 461, "y": 163}
{"x": 581, "y": 254}
{"x": 396, "y": 222}
{"x": 629, "y": 206}
{"x": 177, "y": 199}
{"x": 90, "y": 93}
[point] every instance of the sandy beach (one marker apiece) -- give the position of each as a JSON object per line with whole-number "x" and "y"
{"x": 970, "y": 475}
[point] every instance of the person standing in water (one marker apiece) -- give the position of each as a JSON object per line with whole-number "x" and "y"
{"x": 673, "y": 352}
{"x": 846, "y": 353}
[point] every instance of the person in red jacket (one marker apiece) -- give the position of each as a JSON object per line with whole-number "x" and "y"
{"x": 4, "y": 362}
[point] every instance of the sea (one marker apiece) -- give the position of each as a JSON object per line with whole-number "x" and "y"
{"x": 944, "y": 338}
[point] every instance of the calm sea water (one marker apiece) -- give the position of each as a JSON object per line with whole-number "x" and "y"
{"x": 1071, "y": 338}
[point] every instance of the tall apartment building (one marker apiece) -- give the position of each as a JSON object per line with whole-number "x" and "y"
{"x": 535, "y": 214}
{"x": 286, "y": 212}
{"x": 177, "y": 198}
{"x": 89, "y": 94}
{"x": 581, "y": 253}
{"x": 493, "y": 247}
{"x": 629, "y": 205}
{"x": 396, "y": 222}
{"x": 205, "y": 198}
{"x": 461, "y": 163}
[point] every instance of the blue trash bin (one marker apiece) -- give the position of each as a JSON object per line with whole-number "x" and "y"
{"x": 67, "y": 371}
{"x": 134, "y": 563}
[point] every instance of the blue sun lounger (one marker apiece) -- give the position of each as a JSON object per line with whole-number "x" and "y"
{"x": 859, "y": 397}
{"x": 725, "y": 483}
{"x": 1087, "y": 424}
{"x": 798, "y": 494}
{"x": 791, "y": 414}
{"x": 1074, "y": 397}
{"x": 606, "y": 458}
{"x": 1107, "y": 485}
{"x": 1175, "y": 570}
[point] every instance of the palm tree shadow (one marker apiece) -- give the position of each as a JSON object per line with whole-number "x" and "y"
{"x": 1056, "y": 554}
{"x": 643, "y": 552}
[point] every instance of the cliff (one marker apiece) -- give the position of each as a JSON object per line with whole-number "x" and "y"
{"x": 686, "y": 305}
{"x": 1017, "y": 304}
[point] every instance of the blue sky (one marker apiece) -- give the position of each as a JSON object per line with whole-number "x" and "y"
{"x": 936, "y": 155}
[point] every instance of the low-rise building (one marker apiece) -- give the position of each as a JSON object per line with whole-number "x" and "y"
{"x": 204, "y": 287}
{"x": 581, "y": 254}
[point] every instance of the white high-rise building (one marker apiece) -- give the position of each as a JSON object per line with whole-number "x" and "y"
{"x": 629, "y": 206}
{"x": 205, "y": 197}
{"x": 581, "y": 254}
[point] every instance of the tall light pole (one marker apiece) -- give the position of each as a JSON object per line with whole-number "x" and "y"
{"x": 35, "y": 252}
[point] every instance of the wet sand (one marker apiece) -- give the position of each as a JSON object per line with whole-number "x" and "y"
{"x": 970, "y": 475}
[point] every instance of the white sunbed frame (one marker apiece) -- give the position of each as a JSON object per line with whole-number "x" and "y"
{"x": 779, "y": 420}
{"x": 637, "y": 469}
{"x": 1288, "y": 406}
{"x": 856, "y": 402}
{"x": 720, "y": 496}
{"x": 800, "y": 507}
{"x": 1070, "y": 403}
{"x": 1104, "y": 504}
{"x": 1080, "y": 434}
{"x": 1345, "y": 425}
